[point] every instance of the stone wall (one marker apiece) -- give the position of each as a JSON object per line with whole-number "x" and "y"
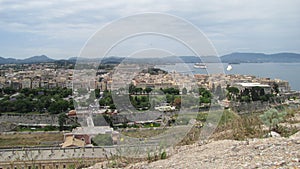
{"x": 7, "y": 126}
{"x": 244, "y": 107}
{"x": 36, "y": 119}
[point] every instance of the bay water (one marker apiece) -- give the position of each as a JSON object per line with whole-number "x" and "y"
{"x": 285, "y": 71}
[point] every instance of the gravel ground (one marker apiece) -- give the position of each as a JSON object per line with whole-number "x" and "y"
{"x": 275, "y": 152}
{"x": 257, "y": 153}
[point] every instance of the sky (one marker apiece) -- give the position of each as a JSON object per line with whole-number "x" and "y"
{"x": 60, "y": 28}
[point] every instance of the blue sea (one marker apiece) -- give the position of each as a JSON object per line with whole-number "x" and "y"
{"x": 284, "y": 71}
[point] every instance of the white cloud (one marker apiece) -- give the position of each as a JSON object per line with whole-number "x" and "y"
{"x": 231, "y": 24}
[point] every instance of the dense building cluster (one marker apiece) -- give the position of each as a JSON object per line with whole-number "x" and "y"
{"x": 46, "y": 76}
{"x": 36, "y": 76}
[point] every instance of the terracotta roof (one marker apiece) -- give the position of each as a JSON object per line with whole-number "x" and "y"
{"x": 70, "y": 141}
{"x": 72, "y": 113}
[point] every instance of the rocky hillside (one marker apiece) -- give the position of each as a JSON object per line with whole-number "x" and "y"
{"x": 272, "y": 152}
{"x": 276, "y": 152}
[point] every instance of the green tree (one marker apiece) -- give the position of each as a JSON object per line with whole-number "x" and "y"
{"x": 9, "y": 90}
{"x": 171, "y": 90}
{"x": 147, "y": 90}
{"x": 97, "y": 93}
{"x": 23, "y": 106}
{"x": 256, "y": 93}
{"x": 59, "y": 106}
{"x": 272, "y": 118}
{"x": 62, "y": 118}
{"x": 102, "y": 140}
{"x": 245, "y": 98}
{"x": 131, "y": 89}
{"x": 25, "y": 91}
{"x": 138, "y": 90}
{"x": 205, "y": 95}
{"x": 232, "y": 93}
{"x": 233, "y": 90}
{"x": 112, "y": 106}
{"x": 144, "y": 99}
{"x": 170, "y": 98}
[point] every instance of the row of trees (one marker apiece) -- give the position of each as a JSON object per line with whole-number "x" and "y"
{"x": 106, "y": 99}
{"x": 248, "y": 94}
{"x": 57, "y": 100}
{"x": 133, "y": 90}
{"x": 39, "y": 100}
{"x": 139, "y": 100}
{"x": 138, "y": 90}
{"x": 63, "y": 92}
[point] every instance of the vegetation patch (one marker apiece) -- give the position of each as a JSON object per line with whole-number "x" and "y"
{"x": 30, "y": 139}
{"x": 146, "y": 133}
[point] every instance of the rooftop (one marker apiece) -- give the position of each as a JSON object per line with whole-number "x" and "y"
{"x": 93, "y": 130}
{"x": 253, "y": 85}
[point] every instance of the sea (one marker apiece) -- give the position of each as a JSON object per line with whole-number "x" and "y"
{"x": 285, "y": 71}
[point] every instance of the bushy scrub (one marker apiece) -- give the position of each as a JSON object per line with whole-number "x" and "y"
{"x": 272, "y": 118}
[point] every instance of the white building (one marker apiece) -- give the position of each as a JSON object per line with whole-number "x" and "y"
{"x": 242, "y": 86}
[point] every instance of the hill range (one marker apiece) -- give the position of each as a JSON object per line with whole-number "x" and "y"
{"x": 229, "y": 58}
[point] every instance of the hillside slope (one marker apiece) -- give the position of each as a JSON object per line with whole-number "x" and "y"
{"x": 260, "y": 58}
{"x": 276, "y": 152}
{"x": 257, "y": 153}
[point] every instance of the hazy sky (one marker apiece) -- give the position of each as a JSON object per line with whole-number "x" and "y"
{"x": 60, "y": 28}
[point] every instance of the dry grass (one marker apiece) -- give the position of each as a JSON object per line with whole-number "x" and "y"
{"x": 240, "y": 128}
{"x": 32, "y": 139}
{"x": 191, "y": 137}
{"x": 250, "y": 126}
{"x": 293, "y": 116}
{"x": 143, "y": 133}
{"x": 232, "y": 126}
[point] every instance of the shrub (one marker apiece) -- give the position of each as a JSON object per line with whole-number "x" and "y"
{"x": 102, "y": 140}
{"x": 163, "y": 155}
{"x": 272, "y": 118}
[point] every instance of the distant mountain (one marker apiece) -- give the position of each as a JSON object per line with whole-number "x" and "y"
{"x": 112, "y": 60}
{"x": 33, "y": 59}
{"x": 72, "y": 59}
{"x": 106, "y": 60}
{"x": 230, "y": 58}
{"x": 7, "y": 60}
{"x": 260, "y": 58}
{"x": 190, "y": 59}
{"x": 37, "y": 59}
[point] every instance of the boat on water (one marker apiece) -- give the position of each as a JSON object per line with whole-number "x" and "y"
{"x": 200, "y": 66}
{"x": 229, "y": 67}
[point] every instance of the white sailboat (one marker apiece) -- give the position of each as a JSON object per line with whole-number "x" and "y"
{"x": 200, "y": 66}
{"x": 229, "y": 67}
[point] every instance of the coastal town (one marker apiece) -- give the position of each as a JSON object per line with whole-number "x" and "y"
{"x": 83, "y": 125}
{"x": 148, "y": 81}
{"x": 149, "y": 84}
{"x": 48, "y": 76}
